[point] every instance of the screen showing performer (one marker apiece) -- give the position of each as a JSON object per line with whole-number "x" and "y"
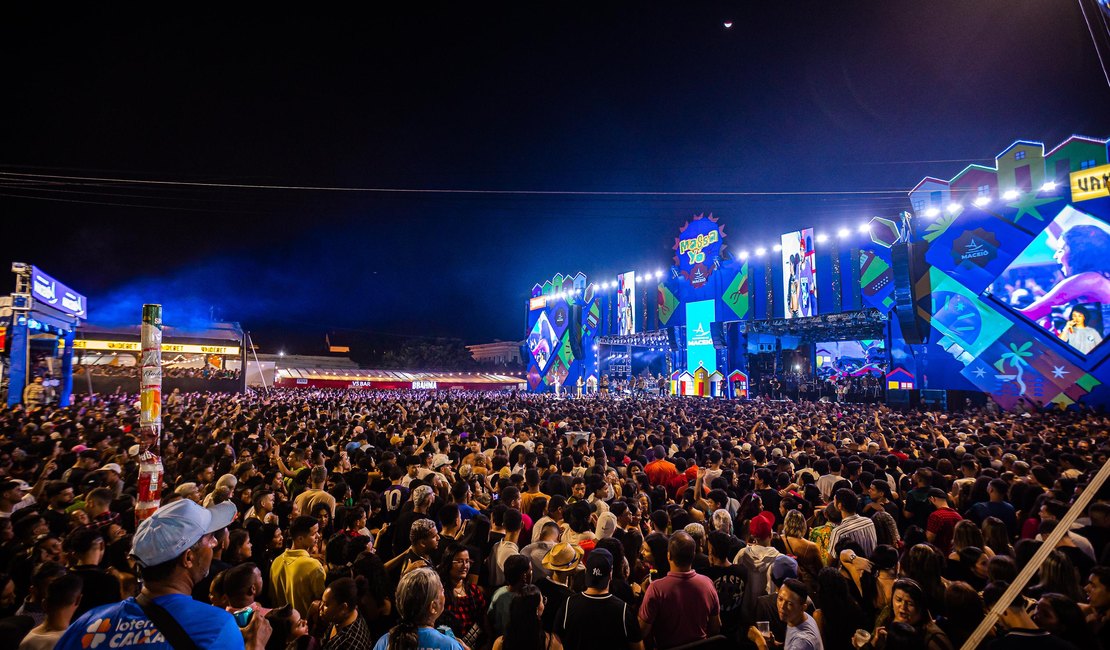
{"x": 626, "y": 303}
{"x": 1061, "y": 280}
{"x": 799, "y": 274}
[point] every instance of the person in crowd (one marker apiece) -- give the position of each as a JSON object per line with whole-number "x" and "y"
{"x": 681, "y": 607}
{"x": 518, "y": 573}
{"x": 288, "y": 628}
{"x": 85, "y": 549}
{"x": 560, "y": 563}
{"x": 346, "y": 629}
{"x": 909, "y": 607}
{"x": 464, "y": 605}
{"x": 802, "y": 632}
{"x": 419, "y": 600}
{"x": 297, "y": 578}
{"x": 525, "y": 629}
{"x": 63, "y": 595}
{"x": 1018, "y": 629}
{"x": 596, "y": 618}
{"x": 475, "y": 455}
{"x": 173, "y": 548}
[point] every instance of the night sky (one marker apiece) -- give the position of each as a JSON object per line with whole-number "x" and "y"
{"x": 605, "y": 97}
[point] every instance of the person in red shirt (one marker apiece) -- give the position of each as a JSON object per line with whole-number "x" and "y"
{"x": 661, "y": 471}
{"x": 681, "y": 607}
{"x": 941, "y": 524}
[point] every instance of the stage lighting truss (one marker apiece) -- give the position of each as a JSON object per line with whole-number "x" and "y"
{"x": 656, "y": 339}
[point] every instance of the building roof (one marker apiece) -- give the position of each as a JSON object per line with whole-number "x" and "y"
{"x": 214, "y": 332}
{"x": 354, "y": 374}
{"x": 1028, "y": 143}
{"x": 926, "y": 180}
{"x": 971, "y": 167}
{"x": 1074, "y": 138}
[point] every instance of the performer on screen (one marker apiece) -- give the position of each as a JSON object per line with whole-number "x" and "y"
{"x": 794, "y": 288}
{"x": 1081, "y": 254}
{"x": 1077, "y": 334}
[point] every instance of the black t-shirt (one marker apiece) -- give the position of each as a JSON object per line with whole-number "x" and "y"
{"x": 729, "y": 582}
{"x": 1033, "y": 639}
{"x": 100, "y": 588}
{"x": 587, "y": 622}
{"x": 556, "y": 595}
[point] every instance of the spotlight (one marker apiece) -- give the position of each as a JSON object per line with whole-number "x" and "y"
{"x": 1010, "y": 195}
{"x": 864, "y": 227}
{"x": 982, "y": 200}
{"x": 658, "y": 274}
{"x": 932, "y": 212}
{"x": 1048, "y": 186}
{"x": 822, "y": 238}
{"x": 843, "y": 232}
{"x": 777, "y": 247}
{"x": 743, "y": 255}
{"x": 954, "y": 207}
{"x": 761, "y": 251}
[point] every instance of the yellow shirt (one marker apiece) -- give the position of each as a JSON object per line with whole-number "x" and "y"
{"x": 298, "y": 579}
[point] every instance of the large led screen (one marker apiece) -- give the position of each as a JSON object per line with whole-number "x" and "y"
{"x": 799, "y": 274}
{"x": 699, "y": 339}
{"x": 626, "y": 303}
{"x": 851, "y": 358}
{"x": 1061, "y": 281}
{"x": 542, "y": 341}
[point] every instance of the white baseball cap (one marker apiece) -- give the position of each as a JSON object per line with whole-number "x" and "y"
{"x": 174, "y": 528}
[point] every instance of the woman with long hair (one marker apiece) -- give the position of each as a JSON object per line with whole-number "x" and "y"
{"x": 965, "y": 611}
{"x": 910, "y": 607}
{"x": 970, "y": 566}
{"x": 239, "y": 547}
{"x": 419, "y": 603}
{"x": 346, "y": 629}
{"x": 1081, "y": 254}
{"x": 839, "y": 616}
{"x": 1057, "y": 575}
{"x": 525, "y": 629}
{"x": 288, "y": 626}
{"x": 997, "y": 537}
{"x": 464, "y": 603}
{"x": 924, "y": 565}
{"x": 1061, "y": 616}
{"x": 793, "y": 542}
{"x": 966, "y": 534}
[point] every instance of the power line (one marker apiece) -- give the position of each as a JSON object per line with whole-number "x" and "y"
{"x": 1094, "y": 41}
{"x": 400, "y": 190}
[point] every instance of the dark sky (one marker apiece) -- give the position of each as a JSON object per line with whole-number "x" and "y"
{"x": 576, "y": 97}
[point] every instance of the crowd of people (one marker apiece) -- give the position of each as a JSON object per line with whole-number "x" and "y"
{"x": 348, "y": 520}
{"x": 866, "y": 387}
{"x": 203, "y": 372}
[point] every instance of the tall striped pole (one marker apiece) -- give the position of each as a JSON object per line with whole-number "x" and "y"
{"x": 150, "y": 413}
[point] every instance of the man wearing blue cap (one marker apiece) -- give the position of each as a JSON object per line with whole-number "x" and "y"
{"x": 174, "y": 551}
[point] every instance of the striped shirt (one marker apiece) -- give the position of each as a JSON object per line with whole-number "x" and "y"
{"x": 860, "y": 530}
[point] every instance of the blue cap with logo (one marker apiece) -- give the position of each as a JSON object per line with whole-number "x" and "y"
{"x": 175, "y": 528}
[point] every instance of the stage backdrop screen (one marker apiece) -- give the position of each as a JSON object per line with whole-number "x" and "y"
{"x": 850, "y": 358}
{"x": 799, "y": 274}
{"x": 626, "y": 303}
{"x": 1061, "y": 281}
{"x": 699, "y": 340}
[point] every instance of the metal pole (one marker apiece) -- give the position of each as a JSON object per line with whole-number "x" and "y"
{"x": 150, "y": 413}
{"x": 1049, "y": 545}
